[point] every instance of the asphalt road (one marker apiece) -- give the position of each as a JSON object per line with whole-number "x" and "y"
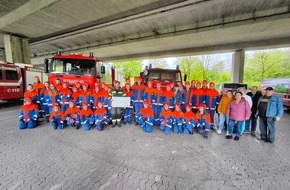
{"x": 128, "y": 158}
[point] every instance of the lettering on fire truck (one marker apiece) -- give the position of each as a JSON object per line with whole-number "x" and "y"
{"x": 11, "y": 90}
{"x": 73, "y": 81}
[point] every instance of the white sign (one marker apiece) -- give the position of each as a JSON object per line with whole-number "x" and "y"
{"x": 121, "y": 102}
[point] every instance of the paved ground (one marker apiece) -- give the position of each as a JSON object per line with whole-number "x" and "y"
{"x": 127, "y": 158}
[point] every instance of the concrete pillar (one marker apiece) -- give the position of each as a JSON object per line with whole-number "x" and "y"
{"x": 238, "y": 62}
{"x": 16, "y": 49}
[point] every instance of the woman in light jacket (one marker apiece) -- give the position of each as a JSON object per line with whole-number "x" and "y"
{"x": 238, "y": 111}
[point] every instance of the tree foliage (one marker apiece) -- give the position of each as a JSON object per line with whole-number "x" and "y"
{"x": 129, "y": 68}
{"x": 266, "y": 64}
{"x": 204, "y": 67}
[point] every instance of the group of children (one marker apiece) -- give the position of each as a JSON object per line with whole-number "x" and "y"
{"x": 174, "y": 107}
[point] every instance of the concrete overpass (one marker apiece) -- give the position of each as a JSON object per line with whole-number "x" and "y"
{"x": 127, "y": 29}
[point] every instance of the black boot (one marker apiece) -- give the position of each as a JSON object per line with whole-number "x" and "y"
{"x": 119, "y": 124}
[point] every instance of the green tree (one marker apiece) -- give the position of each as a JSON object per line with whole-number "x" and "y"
{"x": 265, "y": 64}
{"x": 129, "y": 68}
{"x": 192, "y": 67}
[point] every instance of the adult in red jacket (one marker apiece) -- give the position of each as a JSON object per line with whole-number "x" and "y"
{"x": 186, "y": 96}
{"x": 149, "y": 92}
{"x": 64, "y": 97}
{"x": 169, "y": 97}
{"x": 145, "y": 117}
{"x": 157, "y": 101}
{"x": 43, "y": 97}
{"x": 211, "y": 101}
{"x": 128, "y": 111}
{"x": 38, "y": 86}
{"x": 138, "y": 96}
{"x": 197, "y": 97}
{"x": 28, "y": 115}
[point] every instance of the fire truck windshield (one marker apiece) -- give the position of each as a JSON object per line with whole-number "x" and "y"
{"x": 72, "y": 66}
{"x": 164, "y": 76}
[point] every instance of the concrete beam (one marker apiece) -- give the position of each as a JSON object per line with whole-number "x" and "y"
{"x": 221, "y": 48}
{"x": 25, "y": 10}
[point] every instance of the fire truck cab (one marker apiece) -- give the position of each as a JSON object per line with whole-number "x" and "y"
{"x": 165, "y": 76}
{"x": 14, "y": 79}
{"x": 74, "y": 68}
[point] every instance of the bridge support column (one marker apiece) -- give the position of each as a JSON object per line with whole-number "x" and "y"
{"x": 238, "y": 62}
{"x": 16, "y": 49}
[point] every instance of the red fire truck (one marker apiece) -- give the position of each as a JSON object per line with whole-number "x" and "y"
{"x": 74, "y": 68}
{"x": 165, "y": 76}
{"x": 14, "y": 79}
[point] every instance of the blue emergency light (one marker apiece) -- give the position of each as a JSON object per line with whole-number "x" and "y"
{"x": 91, "y": 54}
{"x": 58, "y": 53}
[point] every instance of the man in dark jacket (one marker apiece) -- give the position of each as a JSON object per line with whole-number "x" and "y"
{"x": 255, "y": 94}
{"x": 116, "y": 111}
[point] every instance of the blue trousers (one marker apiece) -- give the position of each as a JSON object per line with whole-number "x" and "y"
{"x": 166, "y": 127}
{"x": 57, "y": 123}
{"x": 188, "y": 128}
{"x": 127, "y": 115}
{"x": 146, "y": 123}
{"x": 70, "y": 120}
{"x": 204, "y": 129}
{"x": 211, "y": 114}
{"x": 157, "y": 111}
{"x": 222, "y": 119}
{"x": 231, "y": 127}
{"x": 87, "y": 123}
{"x": 137, "y": 106}
{"x": 63, "y": 107}
{"x": 30, "y": 124}
{"x": 267, "y": 128}
{"x": 177, "y": 125}
{"x": 100, "y": 123}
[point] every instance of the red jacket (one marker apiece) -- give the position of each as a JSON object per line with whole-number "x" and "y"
{"x": 87, "y": 113}
{"x": 205, "y": 117}
{"x": 38, "y": 87}
{"x": 75, "y": 95}
{"x": 56, "y": 114}
{"x": 101, "y": 111}
{"x": 31, "y": 94}
{"x": 188, "y": 116}
{"x": 148, "y": 91}
{"x": 28, "y": 112}
{"x": 58, "y": 87}
{"x": 177, "y": 114}
{"x": 146, "y": 112}
{"x": 165, "y": 114}
{"x": 70, "y": 112}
